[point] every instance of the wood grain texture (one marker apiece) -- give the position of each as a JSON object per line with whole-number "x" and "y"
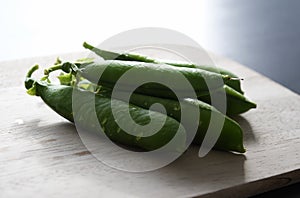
{"x": 41, "y": 154}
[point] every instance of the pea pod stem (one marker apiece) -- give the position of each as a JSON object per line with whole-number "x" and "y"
{"x": 53, "y": 68}
{"x": 66, "y": 67}
{"x": 32, "y": 70}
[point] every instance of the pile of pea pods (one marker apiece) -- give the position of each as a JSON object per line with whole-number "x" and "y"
{"x": 97, "y": 79}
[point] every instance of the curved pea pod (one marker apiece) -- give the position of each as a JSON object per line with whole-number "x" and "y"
{"x": 59, "y": 99}
{"x": 231, "y": 136}
{"x": 107, "y": 73}
{"x": 237, "y": 103}
{"x": 109, "y": 55}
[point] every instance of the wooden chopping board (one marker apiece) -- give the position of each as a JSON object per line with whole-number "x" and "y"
{"x": 41, "y": 154}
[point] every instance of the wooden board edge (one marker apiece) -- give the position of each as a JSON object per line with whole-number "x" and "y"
{"x": 257, "y": 187}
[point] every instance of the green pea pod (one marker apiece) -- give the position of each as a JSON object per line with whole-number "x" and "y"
{"x": 108, "y": 55}
{"x": 237, "y": 103}
{"x": 231, "y": 136}
{"x": 59, "y": 98}
{"x": 111, "y": 71}
{"x": 235, "y": 84}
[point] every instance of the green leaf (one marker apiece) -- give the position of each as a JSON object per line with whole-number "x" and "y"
{"x": 45, "y": 78}
{"x": 58, "y": 61}
{"x": 32, "y": 90}
{"x": 65, "y": 79}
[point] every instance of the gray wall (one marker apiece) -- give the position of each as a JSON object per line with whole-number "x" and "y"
{"x": 262, "y": 34}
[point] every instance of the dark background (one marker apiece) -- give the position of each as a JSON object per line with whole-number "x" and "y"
{"x": 263, "y": 35}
